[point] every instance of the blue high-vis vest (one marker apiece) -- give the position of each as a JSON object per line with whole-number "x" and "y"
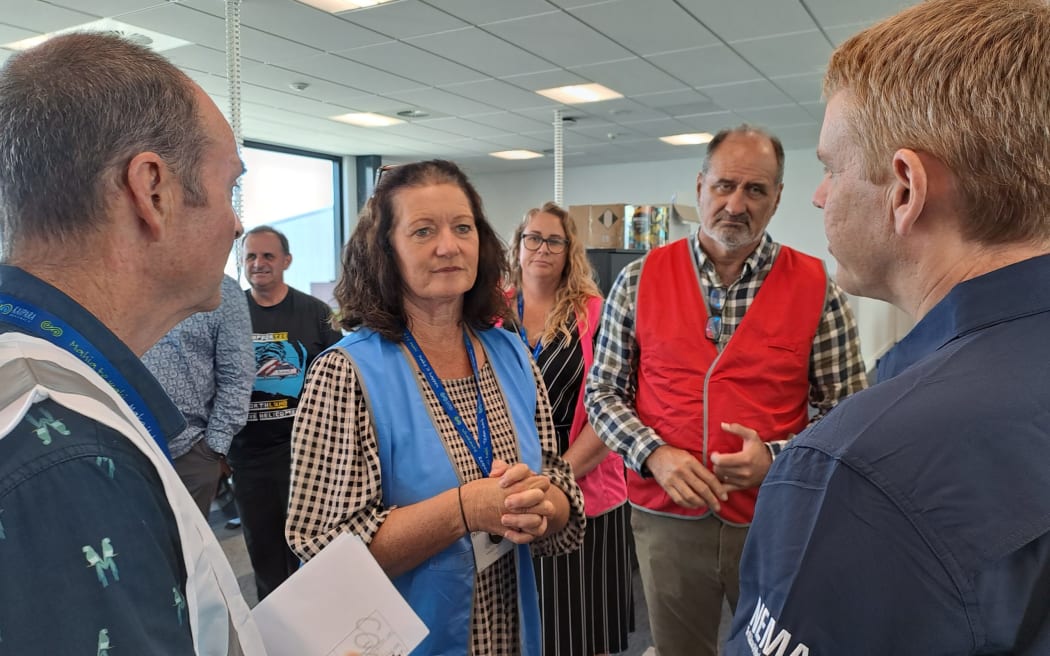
{"x": 415, "y": 466}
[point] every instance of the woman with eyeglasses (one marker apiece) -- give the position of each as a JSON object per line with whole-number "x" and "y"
{"x": 585, "y": 596}
{"x": 426, "y": 431}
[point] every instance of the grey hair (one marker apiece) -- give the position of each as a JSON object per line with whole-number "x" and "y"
{"x": 74, "y": 111}
{"x": 744, "y": 128}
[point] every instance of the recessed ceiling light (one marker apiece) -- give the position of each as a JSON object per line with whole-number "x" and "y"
{"x": 580, "y": 93}
{"x": 517, "y": 154}
{"x": 339, "y": 6}
{"x": 153, "y": 40}
{"x": 688, "y": 139}
{"x": 367, "y": 120}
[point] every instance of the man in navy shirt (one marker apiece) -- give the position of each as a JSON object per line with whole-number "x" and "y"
{"x": 915, "y": 518}
{"x": 116, "y": 172}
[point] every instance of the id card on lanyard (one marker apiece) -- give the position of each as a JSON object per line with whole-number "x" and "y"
{"x": 485, "y": 551}
{"x": 40, "y": 323}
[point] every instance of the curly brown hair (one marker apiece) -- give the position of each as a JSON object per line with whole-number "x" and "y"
{"x": 370, "y": 291}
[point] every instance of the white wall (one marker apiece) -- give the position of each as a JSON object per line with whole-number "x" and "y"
{"x": 797, "y": 223}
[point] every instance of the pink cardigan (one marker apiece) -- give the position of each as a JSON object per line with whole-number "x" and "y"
{"x": 604, "y": 487}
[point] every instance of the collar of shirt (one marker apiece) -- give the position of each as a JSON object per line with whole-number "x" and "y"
{"x": 1002, "y": 295}
{"x": 20, "y": 284}
{"x": 762, "y": 256}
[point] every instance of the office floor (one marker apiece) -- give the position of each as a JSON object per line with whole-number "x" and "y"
{"x": 232, "y": 541}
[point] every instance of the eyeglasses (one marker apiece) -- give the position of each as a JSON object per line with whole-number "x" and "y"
{"x": 716, "y": 300}
{"x": 533, "y": 242}
{"x": 381, "y": 170}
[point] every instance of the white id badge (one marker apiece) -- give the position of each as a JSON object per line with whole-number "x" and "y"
{"x": 486, "y": 551}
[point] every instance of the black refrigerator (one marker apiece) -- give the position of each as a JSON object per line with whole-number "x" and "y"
{"x": 608, "y": 262}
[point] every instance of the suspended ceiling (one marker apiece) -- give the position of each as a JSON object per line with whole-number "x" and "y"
{"x": 473, "y": 67}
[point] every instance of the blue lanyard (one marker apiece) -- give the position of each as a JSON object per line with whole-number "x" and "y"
{"x": 43, "y": 324}
{"x": 521, "y": 329}
{"x": 480, "y": 448}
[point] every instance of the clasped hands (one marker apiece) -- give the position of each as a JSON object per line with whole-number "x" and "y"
{"x": 690, "y": 484}
{"x": 512, "y": 502}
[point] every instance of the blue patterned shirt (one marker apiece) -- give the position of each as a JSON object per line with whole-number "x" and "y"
{"x": 207, "y": 365}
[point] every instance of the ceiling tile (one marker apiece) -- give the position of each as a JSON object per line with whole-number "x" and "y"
{"x": 746, "y": 95}
{"x": 502, "y": 95}
{"x": 509, "y": 122}
{"x": 809, "y": 53}
{"x": 404, "y": 19}
{"x": 199, "y": 58}
{"x": 706, "y": 66}
{"x": 461, "y": 127}
{"x": 35, "y": 16}
{"x": 103, "y": 8}
{"x": 815, "y": 109}
{"x": 777, "y": 117}
{"x": 801, "y": 88}
{"x": 646, "y": 27}
{"x": 750, "y": 19}
{"x": 830, "y": 13}
{"x": 9, "y": 34}
{"x": 479, "y": 13}
{"x": 557, "y": 77}
{"x": 447, "y": 102}
{"x": 799, "y": 137}
{"x": 182, "y": 22}
{"x": 305, "y": 24}
{"x": 411, "y": 62}
{"x": 271, "y": 49}
{"x": 484, "y": 51}
{"x": 839, "y": 34}
{"x": 352, "y": 74}
{"x": 630, "y": 77}
{"x": 279, "y": 79}
{"x": 708, "y": 122}
{"x": 559, "y": 39}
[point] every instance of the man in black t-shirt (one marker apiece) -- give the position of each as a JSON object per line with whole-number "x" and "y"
{"x": 289, "y": 330}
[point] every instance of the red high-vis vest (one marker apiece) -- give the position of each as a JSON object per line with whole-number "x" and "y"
{"x": 686, "y": 388}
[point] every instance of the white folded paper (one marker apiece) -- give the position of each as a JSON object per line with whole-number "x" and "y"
{"x": 339, "y": 603}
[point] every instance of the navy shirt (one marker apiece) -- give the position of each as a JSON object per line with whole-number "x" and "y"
{"x": 90, "y": 556}
{"x": 915, "y": 518}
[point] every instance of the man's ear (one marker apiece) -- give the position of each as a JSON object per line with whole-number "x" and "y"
{"x": 908, "y": 190}
{"x": 287, "y": 261}
{"x": 151, "y": 185}
{"x": 780, "y": 191}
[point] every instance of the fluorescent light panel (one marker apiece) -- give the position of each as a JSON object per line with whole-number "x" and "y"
{"x": 340, "y": 6}
{"x": 693, "y": 139}
{"x": 153, "y": 40}
{"x": 576, "y": 94}
{"x": 516, "y": 154}
{"x": 367, "y": 120}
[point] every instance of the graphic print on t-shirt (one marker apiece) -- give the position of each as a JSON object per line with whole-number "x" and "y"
{"x": 280, "y": 370}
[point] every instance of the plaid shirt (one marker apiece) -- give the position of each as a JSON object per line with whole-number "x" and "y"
{"x": 836, "y": 368}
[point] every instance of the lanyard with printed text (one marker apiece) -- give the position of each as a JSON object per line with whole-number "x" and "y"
{"x": 521, "y": 330}
{"x": 40, "y": 323}
{"x": 480, "y": 448}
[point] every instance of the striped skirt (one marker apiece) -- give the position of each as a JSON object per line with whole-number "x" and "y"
{"x": 585, "y": 597}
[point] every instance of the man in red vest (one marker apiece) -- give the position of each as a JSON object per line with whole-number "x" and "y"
{"x": 712, "y": 350}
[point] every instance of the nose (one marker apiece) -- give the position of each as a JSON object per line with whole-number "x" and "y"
{"x": 238, "y": 227}
{"x": 447, "y": 243}
{"x": 736, "y": 202}
{"x": 820, "y": 196}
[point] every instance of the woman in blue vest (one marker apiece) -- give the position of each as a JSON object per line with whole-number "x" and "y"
{"x": 426, "y": 431}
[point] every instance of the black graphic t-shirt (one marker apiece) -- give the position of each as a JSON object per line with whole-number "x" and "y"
{"x": 287, "y": 337}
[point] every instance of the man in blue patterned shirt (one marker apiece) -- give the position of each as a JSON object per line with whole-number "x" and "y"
{"x": 206, "y": 365}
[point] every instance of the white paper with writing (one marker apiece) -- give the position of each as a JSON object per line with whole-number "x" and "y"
{"x": 339, "y": 603}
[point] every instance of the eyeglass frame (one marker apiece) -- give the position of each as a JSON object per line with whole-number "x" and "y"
{"x": 716, "y": 300}
{"x": 549, "y": 241}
